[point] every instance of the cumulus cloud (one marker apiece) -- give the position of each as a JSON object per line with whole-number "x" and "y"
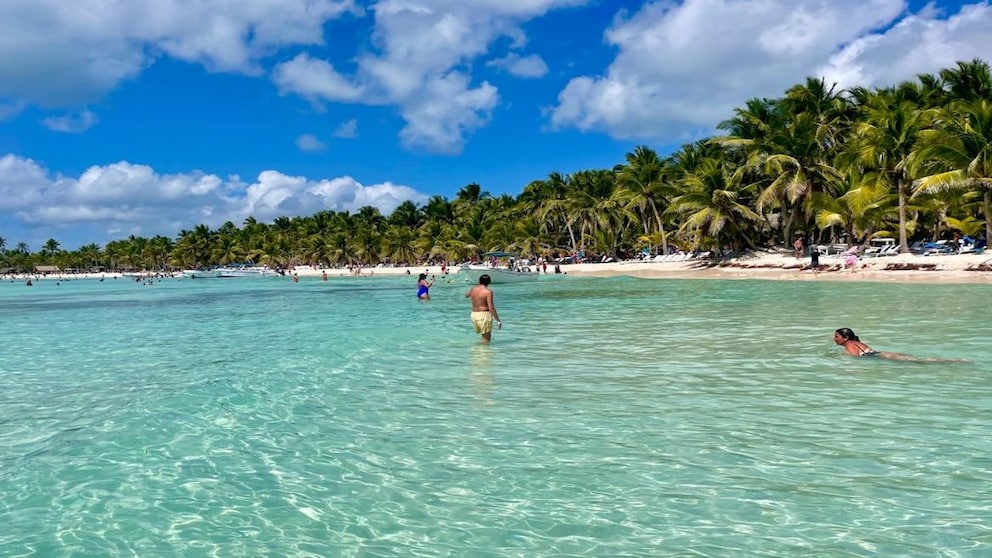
{"x": 316, "y": 80}
{"x": 532, "y": 66}
{"x": 71, "y": 123}
{"x": 917, "y": 44}
{"x": 10, "y": 109}
{"x": 134, "y": 198}
{"x": 682, "y": 68}
{"x": 309, "y": 143}
{"x": 423, "y": 48}
{"x": 61, "y": 54}
{"x": 347, "y": 130}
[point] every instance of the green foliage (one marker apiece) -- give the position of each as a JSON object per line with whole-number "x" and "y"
{"x": 910, "y": 160}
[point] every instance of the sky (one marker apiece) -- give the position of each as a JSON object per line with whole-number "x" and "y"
{"x": 147, "y": 117}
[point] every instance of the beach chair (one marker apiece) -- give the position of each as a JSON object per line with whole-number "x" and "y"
{"x": 890, "y": 250}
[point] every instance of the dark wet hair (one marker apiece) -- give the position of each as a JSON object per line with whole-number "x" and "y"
{"x": 484, "y": 279}
{"x": 423, "y": 276}
{"x": 847, "y": 333}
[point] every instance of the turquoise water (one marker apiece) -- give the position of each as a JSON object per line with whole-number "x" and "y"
{"x": 610, "y": 417}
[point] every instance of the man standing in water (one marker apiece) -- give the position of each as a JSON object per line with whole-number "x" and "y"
{"x": 483, "y": 309}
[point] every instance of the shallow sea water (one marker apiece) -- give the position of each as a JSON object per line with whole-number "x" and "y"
{"x": 610, "y": 417}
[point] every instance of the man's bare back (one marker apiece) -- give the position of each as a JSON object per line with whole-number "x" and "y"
{"x": 482, "y": 299}
{"x": 483, "y": 308}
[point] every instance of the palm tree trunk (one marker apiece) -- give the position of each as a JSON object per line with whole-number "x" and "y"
{"x": 661, "y": 229}
{"x": 571, "y": 234}
{"x": 986, "y": 206}
{"x": 903, "y": 240}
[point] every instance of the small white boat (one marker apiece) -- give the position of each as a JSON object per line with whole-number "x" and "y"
{"x": 199, "y": 273}
{"x": 521, "y": 274}
{"x": 247, "y": 271}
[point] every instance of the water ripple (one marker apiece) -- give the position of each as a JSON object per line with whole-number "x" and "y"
{"x": 610, "y": 417}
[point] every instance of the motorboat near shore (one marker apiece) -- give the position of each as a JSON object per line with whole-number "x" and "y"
{"x": 240, "y": 270}
{"x": 247, "y": 271}
{"x": 512, "y": 272}
{"x": 199, "y": 273}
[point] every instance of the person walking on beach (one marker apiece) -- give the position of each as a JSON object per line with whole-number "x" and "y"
{"x": 851, "y": 260}
{"x": 846, "y": 338}
{"x": 483, "y": 309}
{"x": 798, "y": 245}
{"x": 423, "y": 287}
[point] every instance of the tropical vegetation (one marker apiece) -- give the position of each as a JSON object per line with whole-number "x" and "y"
{"x": 912, "y": 161}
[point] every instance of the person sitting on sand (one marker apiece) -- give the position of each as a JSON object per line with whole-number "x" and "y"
{"x": 846, "y": 338}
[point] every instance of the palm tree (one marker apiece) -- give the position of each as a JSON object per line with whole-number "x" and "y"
{"x": 712, "y": 208}
{"x": 961, "y": 147}
{"x": 439, "y": 209}
{"x": 885, "y": 140}
{"x": 399, "y": 245}
{"x": 970, "y": 81}
{"x": 860, "y": 206}
{"x": 468, "y": 196}
{"x": 558, "y": 194}
{"x": 51, "y": 247}
{"x": 644, "y": 183}
{"x": 407, "y": 215}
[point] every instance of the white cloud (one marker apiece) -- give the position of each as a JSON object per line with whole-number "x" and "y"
{"x": 446, "y": 111}
{"x": 310, "y": 144}
{"x": 532, "y": 66}
{"x": 917, "y": 44}
{"x": 9, "y": 110}
{"x": 316, "y": 80}
{"x": 58, "y": 53}
{"x": 682, "y": 68}
{"x": 19, "y": 179}
{"x": 423, "y": 48}
{"x": 134, "y": 198}
{"x": 71, "y": 123}
{"x": 347, "y": 129}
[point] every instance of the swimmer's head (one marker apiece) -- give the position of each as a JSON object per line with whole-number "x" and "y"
{"x": 846, "y": 334}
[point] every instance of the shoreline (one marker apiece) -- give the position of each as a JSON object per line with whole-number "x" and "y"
{"x": 902, "y": 268}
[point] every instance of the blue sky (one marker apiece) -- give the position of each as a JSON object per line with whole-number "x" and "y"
{"x": 146, "y": 117}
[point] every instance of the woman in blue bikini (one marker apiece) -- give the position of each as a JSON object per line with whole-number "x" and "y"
{"x": 423, "y": 287}
{"x": 854, "y": 346}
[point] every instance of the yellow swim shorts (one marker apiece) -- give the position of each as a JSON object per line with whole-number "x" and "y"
{"x": 483, "y": 322}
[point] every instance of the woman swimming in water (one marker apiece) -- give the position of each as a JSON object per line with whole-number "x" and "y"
{"x": 423, "y": 287}
{"x": 846, "y": 338}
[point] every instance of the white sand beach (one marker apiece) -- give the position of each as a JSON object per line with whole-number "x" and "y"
{"x": 964, "y": 268}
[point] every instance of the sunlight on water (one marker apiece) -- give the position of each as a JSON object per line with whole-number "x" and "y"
{"x": 609, "y": 417}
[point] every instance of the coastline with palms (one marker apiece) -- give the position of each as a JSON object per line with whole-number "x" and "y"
{"x": 911, "y": 162}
